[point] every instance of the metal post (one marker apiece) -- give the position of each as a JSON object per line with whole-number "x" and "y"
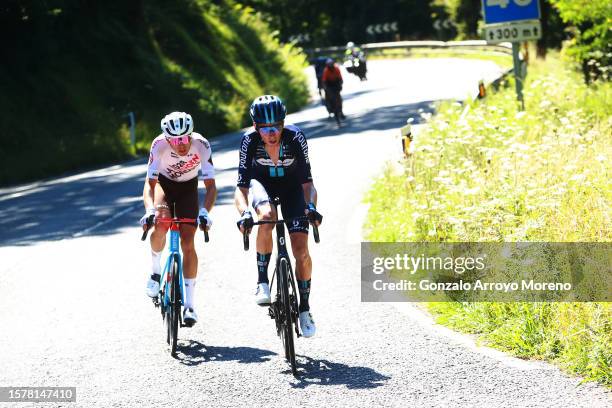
{"x": 132, "y": 128}
{"x": 518, "y": 78}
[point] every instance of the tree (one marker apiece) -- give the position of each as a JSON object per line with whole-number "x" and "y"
{"x": 553, "y": 29}
{"x": 336, "y": 22}
{"x": 591, "y": 44}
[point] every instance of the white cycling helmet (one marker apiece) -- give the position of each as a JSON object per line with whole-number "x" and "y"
{"x": 177, "y": 124}
{"x": 350, "y": 44}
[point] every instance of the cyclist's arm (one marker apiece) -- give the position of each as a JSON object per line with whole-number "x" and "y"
{"x": 208, "y": 174}
{"x": 244, "y": 173}
{"x": 148, "y": 195}
{"x": 211, "y": 193}
{"x": 241, "y": 199}
{"x": 310, "y": 193}
{"x": 300, "y": 145}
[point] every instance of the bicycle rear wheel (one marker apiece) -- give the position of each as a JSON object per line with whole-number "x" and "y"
{"x": 173, "y": 309}
{"x": 287, "y": 317}
{"x": 336, "y": 105}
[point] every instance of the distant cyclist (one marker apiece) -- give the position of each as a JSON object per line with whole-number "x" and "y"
{"x": 172, "y": 182}
{"x": 332, "y": 83}
{"x": 274, "y": 163}
{"x": 319, "y": 65}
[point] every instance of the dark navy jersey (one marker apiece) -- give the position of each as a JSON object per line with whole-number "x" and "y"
{"x": 292, "y": 168}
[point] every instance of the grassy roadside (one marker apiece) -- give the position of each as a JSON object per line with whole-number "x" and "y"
{"x": 76, "y": 72}
{"x": 503, "y": 60}
{"x": 497, "y": 174}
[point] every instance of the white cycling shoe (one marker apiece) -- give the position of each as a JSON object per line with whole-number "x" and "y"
{"x": 190, "y": 317}
{"x": 152, "y": 286}
{"x": 307, "y": 324}
{"x": 262, "y": 294}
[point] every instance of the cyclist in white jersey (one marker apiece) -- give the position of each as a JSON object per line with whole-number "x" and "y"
{"x": 172, "y": 182}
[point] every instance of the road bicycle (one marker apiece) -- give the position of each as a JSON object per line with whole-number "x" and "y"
{"x": 333, "y": 101}
{"x": 171, "y": 294}
{"x": 284, "y": 308}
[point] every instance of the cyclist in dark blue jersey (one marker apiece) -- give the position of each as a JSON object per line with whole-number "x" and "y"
{"x": 274, "y": 163}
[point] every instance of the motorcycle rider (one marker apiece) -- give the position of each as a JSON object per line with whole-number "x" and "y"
{"x": 354, "y": 52}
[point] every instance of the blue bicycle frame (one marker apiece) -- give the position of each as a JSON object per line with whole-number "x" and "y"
{"x": 174, "y": 252}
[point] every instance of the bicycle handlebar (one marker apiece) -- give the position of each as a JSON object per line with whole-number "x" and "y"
{"x": 148, "y": 224}
{"x": 171, "y": 221}
{"x": 245, "y": 234}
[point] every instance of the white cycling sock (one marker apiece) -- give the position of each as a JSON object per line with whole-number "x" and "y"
{"x": 189, "y": 292}
{"x": 156, "y": 262}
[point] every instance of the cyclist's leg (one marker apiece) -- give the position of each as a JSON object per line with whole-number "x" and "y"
{"x": 157, "y": 240}
{"x": 335, "y": 104}
{"x": 158, "y": 235}
{"x": 299, "y": 245}
{"x": 190, "y": 257}
{"x": 303, "y": 262}
{"x": 260, "y": 201}
{"x": 339, "y": 99}
{"x": 328, "y": 98}
{"x": 293, "y": 205}
{"x": 190, "y": 265}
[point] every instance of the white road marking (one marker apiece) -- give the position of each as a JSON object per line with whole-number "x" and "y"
{"x": 106, "y": 221}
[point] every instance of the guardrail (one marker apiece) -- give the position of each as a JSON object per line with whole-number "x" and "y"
{"x": 504, "y": 48}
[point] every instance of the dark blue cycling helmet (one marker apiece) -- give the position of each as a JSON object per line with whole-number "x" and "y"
{"x": 268, "y": 109}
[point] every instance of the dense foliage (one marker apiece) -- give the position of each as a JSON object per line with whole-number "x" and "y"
{"x": 336, "y": 22}
{"x": 591, "y": 45}
{"x": 74, "y": 69}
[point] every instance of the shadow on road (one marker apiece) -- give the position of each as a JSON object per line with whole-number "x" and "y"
{"x": 195, "y": 353}
{"x": 378, "y": 119}
{"x": 325, "y": 372}
{"x": 105, "y": 202}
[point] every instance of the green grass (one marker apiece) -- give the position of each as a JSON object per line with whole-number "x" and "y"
{"x": 75, "y": 74}
{"x": 498, "y": 174}
{"x": 503, "y": 60}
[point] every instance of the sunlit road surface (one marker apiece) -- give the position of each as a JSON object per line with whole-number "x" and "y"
{"x": 74, "y": 313}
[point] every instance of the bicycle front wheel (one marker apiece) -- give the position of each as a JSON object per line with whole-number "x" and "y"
{"x": 287, "y": 317}
{"x": 174, "y": 308}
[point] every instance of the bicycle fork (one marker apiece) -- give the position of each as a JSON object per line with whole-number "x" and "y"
{"x": 166, "y": 277}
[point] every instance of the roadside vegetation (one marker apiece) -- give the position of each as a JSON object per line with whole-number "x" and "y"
{"x": 500, "y": 58}
{"x": 75, "y": 72}
{"x": 490, "y": 172}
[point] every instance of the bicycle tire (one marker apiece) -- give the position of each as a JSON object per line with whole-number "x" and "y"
{"x": 282, "y": 315}
{"x": 174, "y": 308}
{"x": 293, "y": 299}
{"x": 337, "y": 107}
{"x": 288, "y": 321}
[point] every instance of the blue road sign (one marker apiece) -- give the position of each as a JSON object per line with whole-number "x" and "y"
{"x": 503, "y": 11}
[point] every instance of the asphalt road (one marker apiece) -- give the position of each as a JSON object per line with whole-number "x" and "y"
{"x": 73, "y": 310}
